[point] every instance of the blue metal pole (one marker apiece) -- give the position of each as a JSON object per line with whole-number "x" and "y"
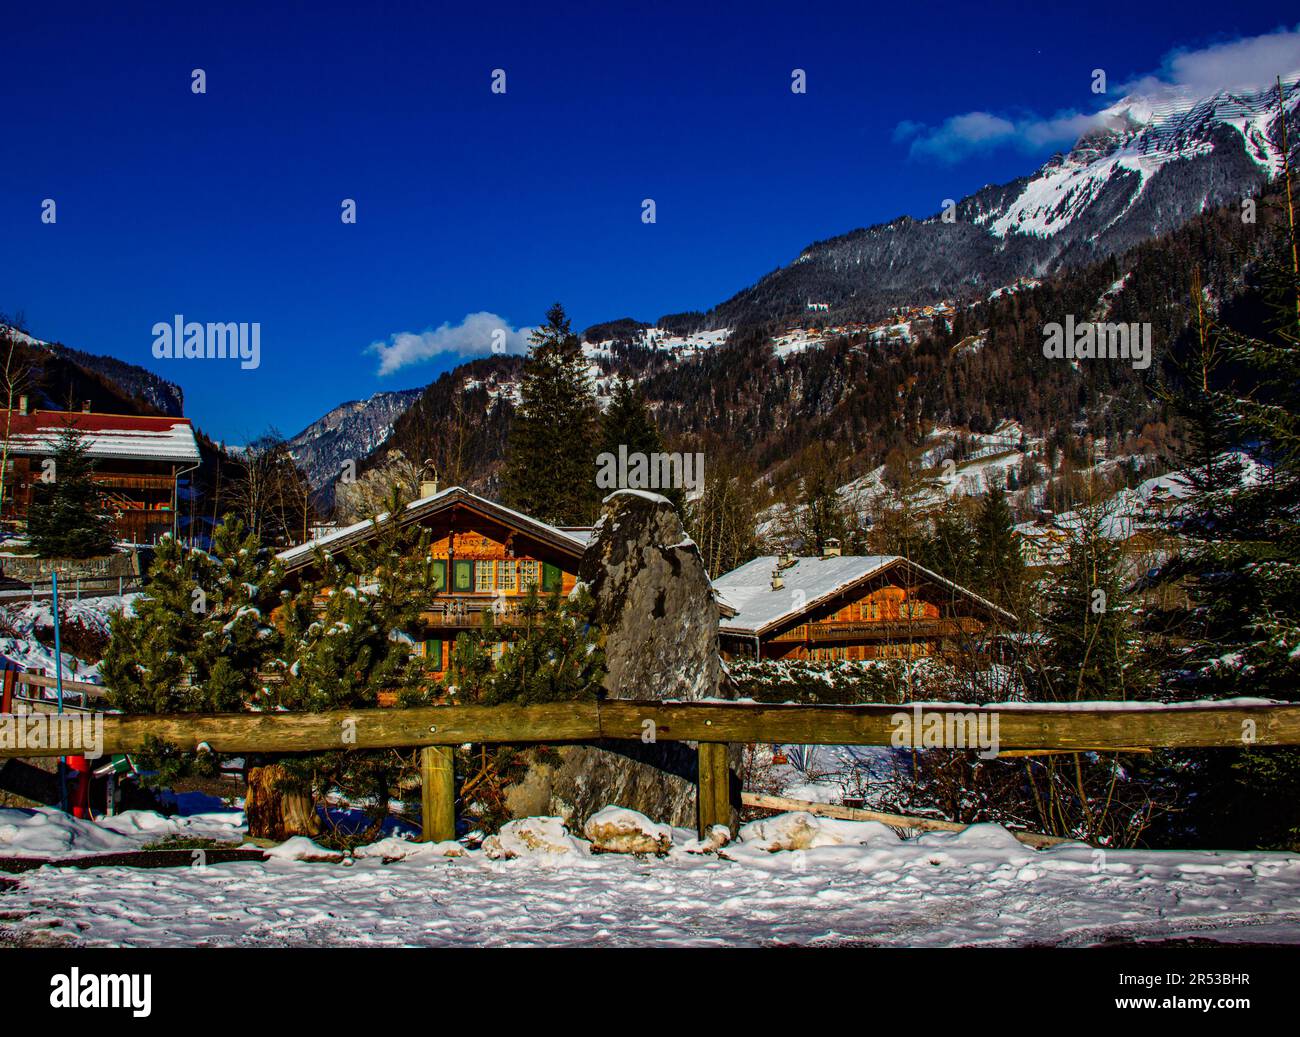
{"x": 58, "y": 681}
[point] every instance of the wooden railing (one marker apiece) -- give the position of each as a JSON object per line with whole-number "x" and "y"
{"x": 857, "y": 629}
{"x": 437, "y": 729}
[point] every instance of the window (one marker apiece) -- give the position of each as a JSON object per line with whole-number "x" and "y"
{"x": 507, "y": 575}
{"x": 483, "y": 577}
{"x": 530, "y": 574}
{"x": 869, "y": 610}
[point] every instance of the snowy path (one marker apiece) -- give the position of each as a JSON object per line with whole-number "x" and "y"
{"x": 978, "y": 887}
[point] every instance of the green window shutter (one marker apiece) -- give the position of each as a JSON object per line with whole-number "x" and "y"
{"x": 440, "y": 574}
{"x": 551, "y": 577}
{"x": 433, "y": 652}
{"x": 464, "y": 575}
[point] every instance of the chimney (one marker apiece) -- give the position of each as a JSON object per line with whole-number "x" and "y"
{"x": 777, "y": 581}
{"x": 22, "y": 404}
{"x": 428, "y": 487}
{"x": 831, "y": 549}
{"x": 85, "y": 406}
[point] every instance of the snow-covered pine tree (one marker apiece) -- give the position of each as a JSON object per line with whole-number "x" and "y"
{"x": 347, "y": 646}
{"x": 550, "y": 465}
{"x": 66, "y": 518}
{"x": 200, "y": 637}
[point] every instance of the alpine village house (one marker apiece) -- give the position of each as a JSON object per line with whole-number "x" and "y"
{"x": 485, "y": 557}
{"x": 848, "y": 607}
{"x": 830, "y": 608}
{"x": 139, "y": 464}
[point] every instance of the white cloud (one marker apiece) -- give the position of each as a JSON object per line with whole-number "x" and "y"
{"x": 1250, "y": 63}
{"x": 479, "y": 334}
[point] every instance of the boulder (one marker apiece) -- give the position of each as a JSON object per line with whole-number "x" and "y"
{"x": 619, "y": 830}
{"x": 655, "y": 604}
{"x": 533, "y": 837}
{"x": 800, "y": 830}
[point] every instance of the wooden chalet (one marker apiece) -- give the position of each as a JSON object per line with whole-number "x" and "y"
{"x": 485, "y": 555}
{"x": 139, "y": 464}
{"x": 847, "y": 607}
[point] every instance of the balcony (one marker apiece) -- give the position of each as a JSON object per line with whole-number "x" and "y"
{"x": 882, "y": 630}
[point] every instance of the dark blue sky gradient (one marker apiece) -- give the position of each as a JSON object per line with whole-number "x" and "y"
{"x": 226, "y": 206}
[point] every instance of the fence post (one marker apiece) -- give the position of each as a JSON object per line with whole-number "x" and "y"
{"x": 7, "y": 694}
{"x": 713, "y": 794}
{"x": 437, "y": 793}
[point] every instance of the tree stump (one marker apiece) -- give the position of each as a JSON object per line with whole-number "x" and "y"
{"x": 274, "y": 808}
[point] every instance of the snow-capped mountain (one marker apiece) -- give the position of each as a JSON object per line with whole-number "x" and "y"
{"x": 1151, "y": 163}
{"x": 1134, "y": 141}
{"x": 347, "y": 432}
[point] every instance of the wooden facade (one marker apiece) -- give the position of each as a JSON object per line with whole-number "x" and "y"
{"x": 485, "y": 559}
{"x": 139, "y": 466}
{"x": 848, "y": 608}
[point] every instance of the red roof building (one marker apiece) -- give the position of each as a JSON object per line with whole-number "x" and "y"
{"x": 138, "y": 463}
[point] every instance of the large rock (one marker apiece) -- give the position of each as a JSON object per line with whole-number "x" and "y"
{"x": 655, "y": 604}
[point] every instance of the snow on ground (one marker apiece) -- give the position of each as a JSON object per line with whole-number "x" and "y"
{"x": 45, "y": 832}
{"x": 864, "y": 886}
{"x": 26, "y": 618}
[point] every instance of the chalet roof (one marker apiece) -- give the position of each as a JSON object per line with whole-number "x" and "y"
{"x": 808, "y": 583}
{"x": 571, "y": 541}
{"x": 115, "y": 436}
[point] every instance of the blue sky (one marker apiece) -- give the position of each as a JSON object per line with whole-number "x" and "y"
{"x": 225, "y": 206}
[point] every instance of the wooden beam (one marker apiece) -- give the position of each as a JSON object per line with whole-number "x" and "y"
{"x": 713, "y": 802}
{"x": 925, "y": 824}
{"x": 37, "y": 680}
{"x": 437, "y": 794}
{"x": 1082, "y": 727}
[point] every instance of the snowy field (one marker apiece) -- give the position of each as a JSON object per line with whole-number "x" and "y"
{"x": 857, "y": 883}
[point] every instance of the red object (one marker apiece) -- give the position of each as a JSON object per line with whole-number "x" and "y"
{"x": 81, "y": 796}
{"x": 7, "y": 693}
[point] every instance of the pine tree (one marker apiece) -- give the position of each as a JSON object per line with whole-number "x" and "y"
{"x": 999, "y": 570}
{"x": 628, "y": 423}
{"x": 550, "y": 466}
{"x": 66, "y": 517}
{"x": 199, "y": 639}
{"x": 1093, "y": 648}
{"x": 346, "y": 642}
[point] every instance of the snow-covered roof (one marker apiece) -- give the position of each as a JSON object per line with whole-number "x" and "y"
{"x": 809, "y": 582}
{"x": 571, "y": 540}
{"x": 116, "y": 436}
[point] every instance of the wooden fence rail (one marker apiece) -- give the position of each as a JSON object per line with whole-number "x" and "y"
{"x": 1077, "y": 727}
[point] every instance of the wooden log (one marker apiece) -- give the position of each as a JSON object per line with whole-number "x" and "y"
{"x": 926, "y": 824}
{"x": 714, "y": 801}
{"x": 437, "y": 794}
{"x": 343, "y": 729}
{"x": 1083, "y": 728}
{"x": 38, "y": 680}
